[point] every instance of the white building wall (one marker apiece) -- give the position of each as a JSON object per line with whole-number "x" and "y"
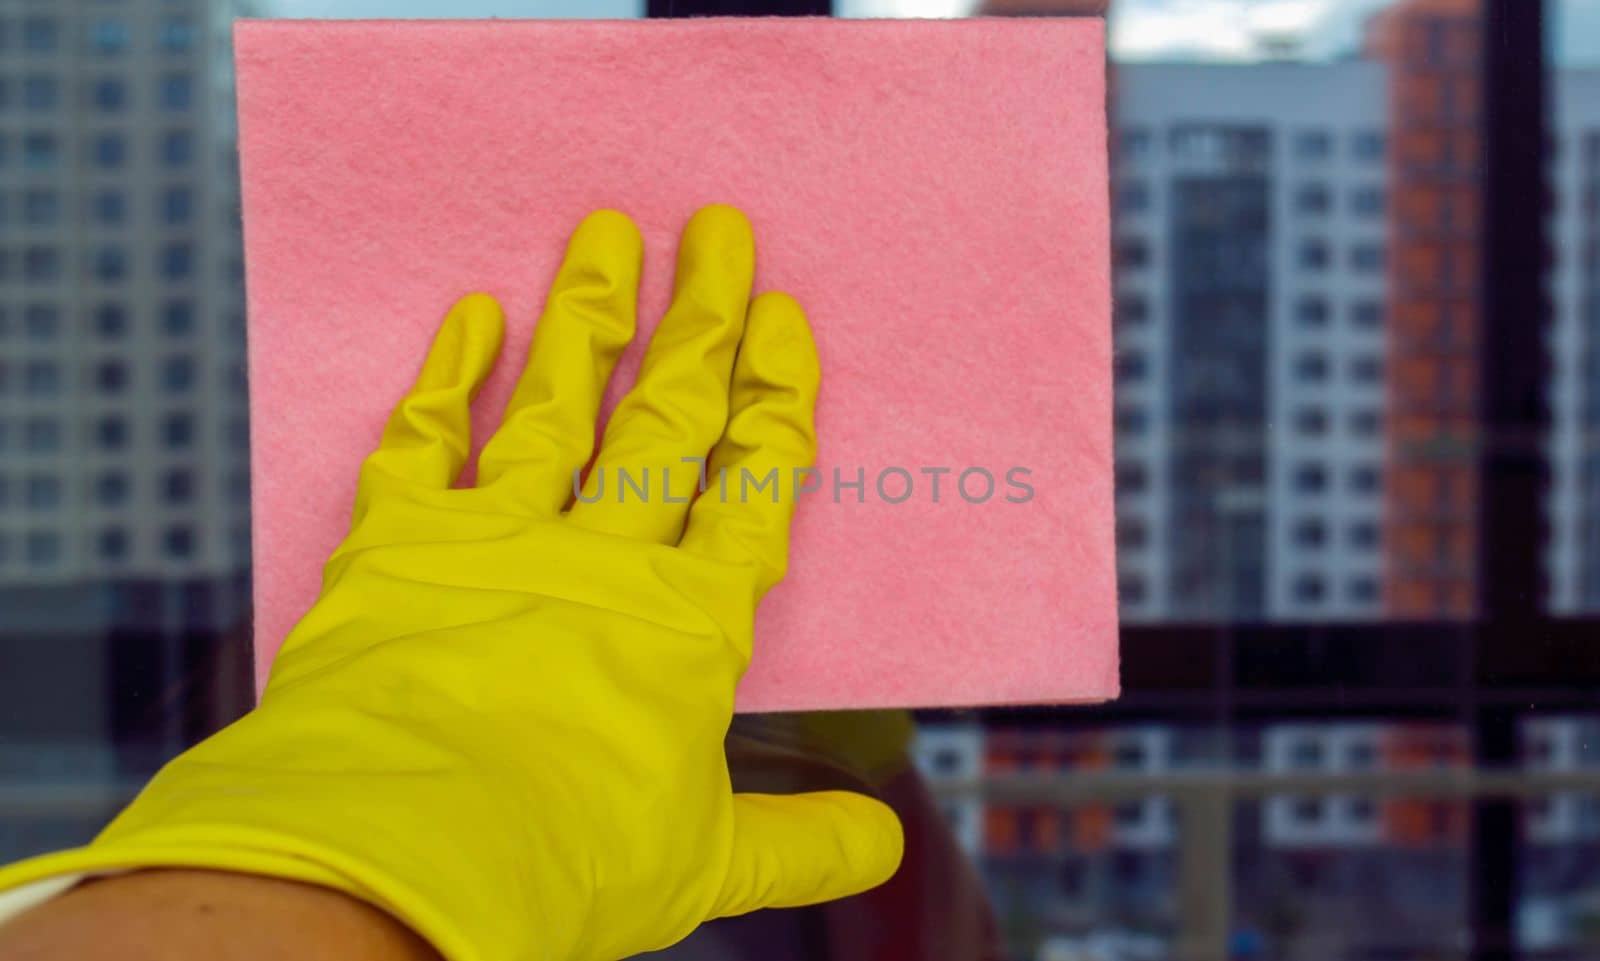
{"x": 1340, "y": 577}
{"x": 1320, "y": 820}
{"x": 122, "y": 415}
{"x": 954, "y": 753}
{"x": 1574, "y": 223}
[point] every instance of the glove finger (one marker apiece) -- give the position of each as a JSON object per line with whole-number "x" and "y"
{"x": 427, "y": 437}
{"x": 758, "y": 468}
{"x": 794, "y": 850}
{"x": 640, "y": 486}
{"x": 548, "y": 431}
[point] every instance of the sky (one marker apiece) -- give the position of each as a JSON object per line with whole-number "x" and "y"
{"x": 1140, "y": 29}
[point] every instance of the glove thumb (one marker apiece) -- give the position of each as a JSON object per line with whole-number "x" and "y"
{"x": 796, "y": 849}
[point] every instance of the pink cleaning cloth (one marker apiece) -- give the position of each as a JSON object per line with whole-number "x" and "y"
{"x": 934, "y": 195}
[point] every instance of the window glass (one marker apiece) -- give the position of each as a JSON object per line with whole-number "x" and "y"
{"x": 1305, "y": 481}
{"x": 176, "y": 91}
{"x": 108, "y": 37}
{"x": 40, "y": 92}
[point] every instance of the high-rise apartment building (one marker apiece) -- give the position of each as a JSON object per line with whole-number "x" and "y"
{"x": 1573, "y": 552}
{"x": 1432, "y": 51}
{"x": 1297, "y": 301}
{"x": 123, "y": 433}
{"x": 1251, "y": 298}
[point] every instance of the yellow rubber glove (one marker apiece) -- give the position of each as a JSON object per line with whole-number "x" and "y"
{"x": 503, "y": 722}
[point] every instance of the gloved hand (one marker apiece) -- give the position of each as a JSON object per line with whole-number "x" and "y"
{"x": 503, "y": 721}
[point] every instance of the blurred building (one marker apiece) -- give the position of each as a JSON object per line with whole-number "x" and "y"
{"x": 123, "y": 432}
{"x": 1296, "y": 317}
{"x": 124, "y": 485}
{"x": 1573, "y": 553}
{"x": 1341, "y": 820}
{"x": 1431, "y": 49}
{"x": 1250, "y": 294}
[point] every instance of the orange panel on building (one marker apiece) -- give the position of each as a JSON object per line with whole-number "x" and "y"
{"x": 1430, "y": 528}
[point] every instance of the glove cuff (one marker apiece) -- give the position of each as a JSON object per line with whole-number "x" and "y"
{"x": 29, "y": 883}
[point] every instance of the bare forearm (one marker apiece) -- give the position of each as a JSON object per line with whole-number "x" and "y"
{"x": 179, "y": 914}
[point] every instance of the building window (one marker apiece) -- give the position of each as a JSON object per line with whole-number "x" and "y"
{"x": 1311, "y": 199}
{"x": 110, "y": 151}
{"x": 41, "y": 435}
{"x": 41, "y": 378}
{"x": 41, "y": 151}
{"x": 1132, "y": 421}
{"x": 111, "y": 321}
{"x": 176, "y": 34}
{"x": 1132, "y": 534}
{"x": 40, "y": 35}
{"x": 1365, "y": 479}
{"x": 43, "y": 492}
{"x": 108, "y": 37}
{"x": 1366, "y": 423}
{"x": 1313, "y": 145}
{"x": 41, "y": 208}
{"x": 1363, "y": 590}
{"x": 177, "y": 148}
{"x": 43, "y": 548}
{"x": 41, "y": 265}
{"x": 1367, "y": 201}
{"x": 1310, "y": 478}
{"x": 239, "y": 486}
{"x": 111, "y": 377}
{"x": 40, "y": 93}
{"x": 1310, "y": 532}
{"x": 112, "y": 544}
{"x": 111, "y": 433}
{"x": 1132, "y": 477}
{"x": 1131, "y": 253}
{"x": 178, "y": 542}
{"x": 177, "y": 374}
{"x": 1364, "y": 535}
{"x": 111, "y": 489}
{"x": 176, "y": 91}
{"x": 1131, "y": 366}
{"x": 178, "y": 486}
{"x": 1313, "y": 255}
{"x": 177, "y": 431}
{"x": 1133, "y": 144}
{"x": 1311, "y": 367}
{"x": 177, "y": 261}
{"x": 177, "y": 317}
{"x": 1131, "y": 309}
{"x": 110, "y": 207}
{"x": 1366, "y": 314}
{"x": 109, "y": 95}
{"x": 1133, "y": 196}
{"x": 1367, "y": 369}
{"x": 110, "y": 264}
{"x": 42, "y": 322}
{"x": 1311, "y": 421}
{"x": 176, "y": 205}
{"x": 1368, "y": 146}
{"x": 1366, "y": 258}
{"x": 1311, "y": 311}
{"x": 1132, "y": 589}
{"x": 1310, "y": 589}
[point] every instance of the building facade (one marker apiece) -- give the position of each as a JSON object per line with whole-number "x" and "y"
{"x": 123, "y": 431}
{"x": 1250, "y": 297}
